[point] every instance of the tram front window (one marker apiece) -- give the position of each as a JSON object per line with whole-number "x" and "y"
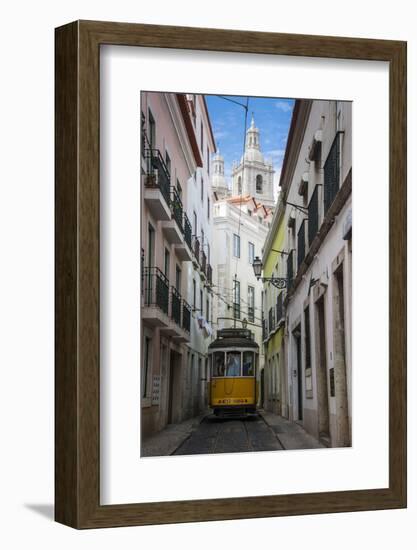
{"x": 233, "y": 363}
{"x": 248, "y": 363}
{"x": 218, "y": 364}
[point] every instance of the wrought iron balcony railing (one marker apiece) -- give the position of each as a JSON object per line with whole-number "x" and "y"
{"x": 209, "y": 274}
{"x": 156, "y": 288}
{"x": 313, "y": 215}
{"x": 175, "y": 306}
{"x": 187, "y": 231}
{"x": 186, "y": 316}
{"x": 197, "y": 249}
{"x": 157, "y": 173}
{"x": 176, "y": 208}
{"x": 203, "y": 262}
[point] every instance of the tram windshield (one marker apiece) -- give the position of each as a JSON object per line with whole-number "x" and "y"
{"x": 218, "y": 363}
{"x": 233, "y": 363}
{"x": 248, "y": 363}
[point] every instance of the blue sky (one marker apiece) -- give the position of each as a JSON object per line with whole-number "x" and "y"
{"x": 272, "y": 117}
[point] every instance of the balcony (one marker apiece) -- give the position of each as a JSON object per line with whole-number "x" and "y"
{"x": 174, "y": 229}
{"x": 203, "y": 264}
{"x": 156, "y": 185}
{"x": 179, "y": 314}
{"x": 186, "y": 316}
{"x": 209, "y": 274}
{"x": 196, "y": 250}
{"x": 155, "y": 298}
{"x": 184, "y": 250}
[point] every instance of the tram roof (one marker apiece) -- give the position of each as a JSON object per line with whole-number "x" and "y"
{"x": 234, "y": 338}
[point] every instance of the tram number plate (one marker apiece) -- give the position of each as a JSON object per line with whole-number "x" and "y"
{"x": 236, "y": 401}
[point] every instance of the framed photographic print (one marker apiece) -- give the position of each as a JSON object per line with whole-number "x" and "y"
{"x": 227, "y": 345}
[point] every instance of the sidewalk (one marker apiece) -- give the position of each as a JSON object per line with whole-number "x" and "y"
{"x": 165, "y": 442}
{"x": 290, "y": 434}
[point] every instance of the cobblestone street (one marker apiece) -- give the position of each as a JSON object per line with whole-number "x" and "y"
{"x": 208, "y": 435}
{"x": 216, "y": 435}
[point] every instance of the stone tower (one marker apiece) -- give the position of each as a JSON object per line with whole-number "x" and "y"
{"x": 254, "y": 175}
{"x": 218, "y": 181}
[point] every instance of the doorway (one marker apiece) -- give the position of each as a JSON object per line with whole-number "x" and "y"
{"x": 174, "y": 386}
{"x": 322, "y": 383}
{"x": 298, "y": 371}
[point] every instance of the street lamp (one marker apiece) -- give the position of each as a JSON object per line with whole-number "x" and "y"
{"x": 278, "y": 282}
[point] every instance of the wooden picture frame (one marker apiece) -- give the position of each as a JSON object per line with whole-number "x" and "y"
{"x": 77, "y": 406}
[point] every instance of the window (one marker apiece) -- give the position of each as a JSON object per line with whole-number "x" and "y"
{"x": 251, "y": 304}
{"x": 208, "y": 208}
{"x": 195, "y": 224}
{"x": 202, "y": 188}
{"x": 201, "y": 302}
{"x": 208, "y": 253}
{"x": 236, "y": 246}
{"x": 151, "y": 130}
{"x": 207, "y": 309}
{"x": 143, "y": 132}
{"x": 239, "y": 185}
{"x": 332, "y": 173}
{"x": 202, "y": 237}
{"x": 259, "y": 183}
{"x": 208, "y": 160}
{"x": 168, "y": 162}
{"x": 251, "y": 252}
{"x": 166, "y": 263}
{"x": 236, "y": 299}
{"x": 146, "y": 365}
{"x": 218, "y": 364}
{"x": 248, "y": 364}
{"x": 232, "y": 363}
{"x": 201, "y": 136}
{"x": 179, "y": 189}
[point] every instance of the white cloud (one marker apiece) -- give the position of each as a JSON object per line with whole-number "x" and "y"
{"x": 283, "y": 106}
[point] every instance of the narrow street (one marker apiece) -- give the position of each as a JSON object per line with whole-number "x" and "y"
{"x": 208, "y": 434}
{"x": 218, "y": 435}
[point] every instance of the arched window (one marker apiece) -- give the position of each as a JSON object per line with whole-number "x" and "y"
{"x": 259, "y": 183}
{"x": 239, "y": 185}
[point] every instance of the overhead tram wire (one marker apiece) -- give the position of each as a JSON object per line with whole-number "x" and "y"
{"x": 245, "y": 106}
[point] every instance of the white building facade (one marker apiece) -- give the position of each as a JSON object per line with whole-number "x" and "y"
{"x": 316, "y": 201}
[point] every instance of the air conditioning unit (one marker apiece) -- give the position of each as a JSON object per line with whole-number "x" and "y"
{"x": 315, "y": 145}
{"x": 291, "y": 220}
{"x": 303, "y": 185}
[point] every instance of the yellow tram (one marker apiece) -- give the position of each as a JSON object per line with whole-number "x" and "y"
{"x": 233, "y": 359}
